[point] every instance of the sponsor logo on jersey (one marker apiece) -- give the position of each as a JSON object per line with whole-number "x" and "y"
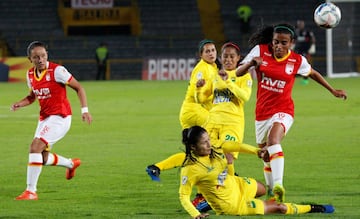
{"x": 272, "y": 84}
{"x": 42, "y": 93}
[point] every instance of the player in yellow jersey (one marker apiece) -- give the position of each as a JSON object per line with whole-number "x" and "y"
{"x": 205, "y": 167}
{"x": 193, "y": 111}
{"x": 228, "y": 95}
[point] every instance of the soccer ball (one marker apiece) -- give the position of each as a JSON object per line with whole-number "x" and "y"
{"x": 327, "y": 15}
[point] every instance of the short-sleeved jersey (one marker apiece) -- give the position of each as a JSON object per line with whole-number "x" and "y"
{"x": 50, "y": 89}
{"x": 275, "y": 78}
{"x": 202, "y": 70}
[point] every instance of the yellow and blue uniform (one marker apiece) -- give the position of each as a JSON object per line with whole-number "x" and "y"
{"x": 226, "y": 194}
{"x": 195, "y": 110}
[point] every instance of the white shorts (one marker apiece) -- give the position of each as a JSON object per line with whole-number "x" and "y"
{"x": 52, "y": 129}
{"x": 263, "y": 127}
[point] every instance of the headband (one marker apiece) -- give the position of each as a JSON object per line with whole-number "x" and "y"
{"x": 232, "y": 45}
{"x": 286, "y": 28}
{"x": 203, "y": 42}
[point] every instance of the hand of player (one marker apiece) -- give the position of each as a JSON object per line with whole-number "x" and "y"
{"x": 340, "y": 94}
{"x": 15, "y": 107}
{"x": 203, "y": 215}
{"x": 223, "y": 74}
{"x": 200, "y": 83}
{"x": 256, "y": 61}
{"x": 86, "y": 117}
{"x": 264, "y": 154}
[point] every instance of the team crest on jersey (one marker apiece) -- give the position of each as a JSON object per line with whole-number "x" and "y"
{"x": 47, "y": 77}
{"x": 289, "y": 69}
{"x": 199, "y": 75}
{"x": 233, "y": 79}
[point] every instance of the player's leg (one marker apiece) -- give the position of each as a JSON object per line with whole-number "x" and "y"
{"x": 34, "y": 168}
{"x": 281, "y": 123}
{"x": 59, "y": 126}
{"x": 190, "y": 115}
{"x": 271, "y": 207}
{"x": 173, "y": 161}
{"x": 261, "y": 131}
{"x": 48, "y": 132}
{"x": 232, "y": 133}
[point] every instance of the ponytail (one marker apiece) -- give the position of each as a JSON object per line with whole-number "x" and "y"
{"x": 264, "y": 35}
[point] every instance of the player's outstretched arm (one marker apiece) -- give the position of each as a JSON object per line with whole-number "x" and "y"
{"x": 316, "y": 76}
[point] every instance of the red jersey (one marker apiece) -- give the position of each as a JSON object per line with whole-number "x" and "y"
{"x": 275, "y": 78}
{"x": 50, "y": 89}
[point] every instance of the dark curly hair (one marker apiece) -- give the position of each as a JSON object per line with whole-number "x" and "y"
{"x": 265, "y": 34}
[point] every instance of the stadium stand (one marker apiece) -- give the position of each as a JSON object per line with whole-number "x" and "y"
{"x": 169, "y": 28}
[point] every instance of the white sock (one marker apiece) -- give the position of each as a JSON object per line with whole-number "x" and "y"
{"x": 33, "y": 170}
{"x": 57, "y": 160}
{"x": 268, "y": 175}
{"x": 276, "y": 163}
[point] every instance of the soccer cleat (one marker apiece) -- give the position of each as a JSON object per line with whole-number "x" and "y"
{"x": 201, "y": 204}
{"x": 154, "y": 172}
{"x": 322, "y": 209}
{"x": 27, "y": 195}
{"x": 270, "y": 195}
{"x": 70, "y": 172}
{"x": 279, "y": 193}
{"x": 305, "y": 81}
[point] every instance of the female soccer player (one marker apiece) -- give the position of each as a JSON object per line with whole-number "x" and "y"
{"x": 276, "y": 67}
{"x": 193, "y": 111}
{"x": 228, "y": 94}
{"x": 206, "y": 168}
{"x": 47, "y": 82}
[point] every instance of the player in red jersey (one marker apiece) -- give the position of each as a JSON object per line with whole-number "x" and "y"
{"x": 276, "y": 67}
{"x": 47, "y": 82}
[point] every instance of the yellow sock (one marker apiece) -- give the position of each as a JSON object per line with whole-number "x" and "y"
{"x": 297, "y": 209}
{"x": 173, "y": 161}
{"x": 231, "y": 169}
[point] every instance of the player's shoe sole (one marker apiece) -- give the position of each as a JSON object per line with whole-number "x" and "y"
{"x": 27, "y": 195}
{"x": 70, "y": 172}
{"x": 322, "y": 209}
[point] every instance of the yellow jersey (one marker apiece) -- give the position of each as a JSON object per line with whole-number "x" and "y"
{"x": 226, "y": 194}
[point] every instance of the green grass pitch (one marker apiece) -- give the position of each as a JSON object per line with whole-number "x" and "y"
{"x": 136, "y": 124}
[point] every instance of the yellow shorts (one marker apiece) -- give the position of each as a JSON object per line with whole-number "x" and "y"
{"x": 225, "y": 133}
{"x": 192, "y": 114}
{"x": 249, "y": 205}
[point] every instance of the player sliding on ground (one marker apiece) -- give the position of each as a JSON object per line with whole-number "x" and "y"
{"x": 205, "y": 167}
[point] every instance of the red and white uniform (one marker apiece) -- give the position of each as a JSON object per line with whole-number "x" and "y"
{"x": 50, "y": 90}
{"x": 275, "y": 78}
{"x": 55, "y": 109}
